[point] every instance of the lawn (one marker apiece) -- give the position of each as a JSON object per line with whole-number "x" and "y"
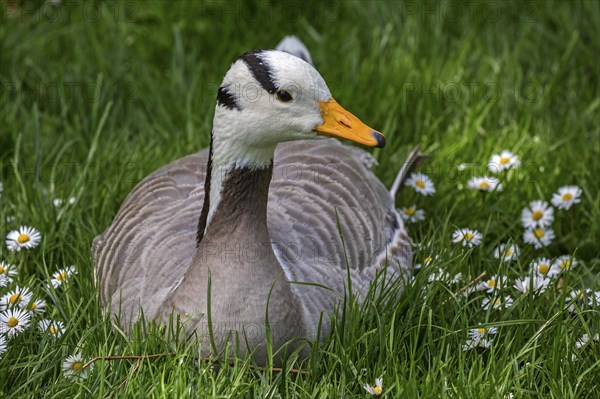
{"x": 95, "y": 96}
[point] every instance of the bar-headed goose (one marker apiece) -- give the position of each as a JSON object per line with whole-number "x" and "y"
{"x": 265, "y": 206}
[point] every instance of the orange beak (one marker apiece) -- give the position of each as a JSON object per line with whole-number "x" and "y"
{"x": 337, "y": 122}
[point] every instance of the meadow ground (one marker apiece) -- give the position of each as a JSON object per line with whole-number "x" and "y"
{"x": 95, "y": 96}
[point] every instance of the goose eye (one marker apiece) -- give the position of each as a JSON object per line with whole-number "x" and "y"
{"x": 284, "y": 96}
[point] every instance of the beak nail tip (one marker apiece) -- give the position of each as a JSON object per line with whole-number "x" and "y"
{"x": 379, "y": 138}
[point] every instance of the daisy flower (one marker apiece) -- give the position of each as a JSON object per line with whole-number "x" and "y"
{"x": 584, "y": 340}
{"x": 494, "y": 283}
{"x": 593, "y": 298}
{"x": 482, "y": 332}
{"x": 543, "y": 267}
{"x": 421, "y": 183}
{"x": 36, "y": 306}
{"x": 478, "y": 337}
{"x": 506, "y": 252}
{"x": 13, "y": 322}
{"x": 485, "y": 183}
{"x": 503, "y": 161}
{"x": 537, "y": 214}
{"x": 4, "y": 281}
{"x": 375, "y": 390}
{"x": 53, "y": 327}
{"x": 426, "y": 262}
{"x": 62, "y": 275}
{"x": 566, "y": 197}
{"x": 8, "y": 271}
{"x": 19, "y": 296}
{"x": 411, "y": 214}
{"x": 565, "y": 262}
{"x": 2, "y": 345}
{"x": 73, "y": 367}
{"x": 473, "y": 343}
{"x": 574, "y": 297}
{"x": 497, "y": 303}
{"x": 539, "y": 237}
{"x": 534, "y": 284}
{"x": 467, "y": 237}
{"x": 26, "y": 237}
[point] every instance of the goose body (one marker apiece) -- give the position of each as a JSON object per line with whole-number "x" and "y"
{"x": 255, "y": 219}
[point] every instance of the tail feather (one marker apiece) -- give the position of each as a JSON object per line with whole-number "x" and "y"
{"x": 294, "y": 46}
{"x": 414, "y": 160}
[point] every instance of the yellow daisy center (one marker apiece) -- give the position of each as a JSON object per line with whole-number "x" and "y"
{"x": 579, "y": 295}
{"x": 468, "y": 236}
{"x": 491, "y": 283}
{"x": 420, "y": 183}
{"x": 428, "y": 260}
{"x": 481, "y": 330}
{"x": 61, "y": 276}
{"x": 497, "y": 302}
{"x": 77, "y": 366}
{"x": 22, "y": 238}
{"x": 565, "y": 264}
{"x": 504, "y": 160}
{"x": 483, "y": 185}
{"x": 410, "y": 211}
{"x": 567, "y": 197}
{"x": 507, "y": 252}
{"x": 2, "y": 269}
{"x": 14, "y": 298}
{"x": 52, "y": 330}
{"x": 377, "y": 390}
{"x": 537, "y": 215}
{"x": 543, "y": 268}
{"x": 539, "y": 233}
{"x": 33, "y": 306}
{"x": 12, "y": 322}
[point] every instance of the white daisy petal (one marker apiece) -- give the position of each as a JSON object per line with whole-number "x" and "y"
{"x": 54, "y": 328}
{"x": 62, "y": 275}
{"x": 565, "y": 263}
{"x": 534, "y": 284}
{"x": 485, "y": 183}
{"x": 507, "y": 252}
{"x": 37, "y": 306}
{"x": 7, "y": 270}
{"x": 492, "y": 284}
{"x": 537, "y": 214}
{"x": 543, "y": 268}
{"x": 467, "y": 237}
{"x": 411, "y": 214}
{"x": 503, "y": 161}
{"x": 539, "y": 237}
{"x": 26, "y": 237}
{"x": 17, "y": 297}
{"x": 566, "y": 197}
{"x": 2, "y": 345}
{"x": 421, "y": 183}
{"x": 73, "y": 367}
{"x": 375, "y": 390}
{"x": 13, "y": 322}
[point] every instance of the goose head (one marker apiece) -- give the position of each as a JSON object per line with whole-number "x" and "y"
{"x": 268, "y": 97}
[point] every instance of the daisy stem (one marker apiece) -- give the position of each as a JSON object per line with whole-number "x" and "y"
{"x": 475, "y": 280}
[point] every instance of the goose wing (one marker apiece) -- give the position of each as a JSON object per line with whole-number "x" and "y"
{"x": 330, "y": 216}
{"x": 148, "y": 247}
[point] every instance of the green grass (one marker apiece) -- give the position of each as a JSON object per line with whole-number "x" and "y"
{"x": 95, "y": 98}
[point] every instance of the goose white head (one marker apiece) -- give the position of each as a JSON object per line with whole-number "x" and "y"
{"x": 268, "y": 97}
